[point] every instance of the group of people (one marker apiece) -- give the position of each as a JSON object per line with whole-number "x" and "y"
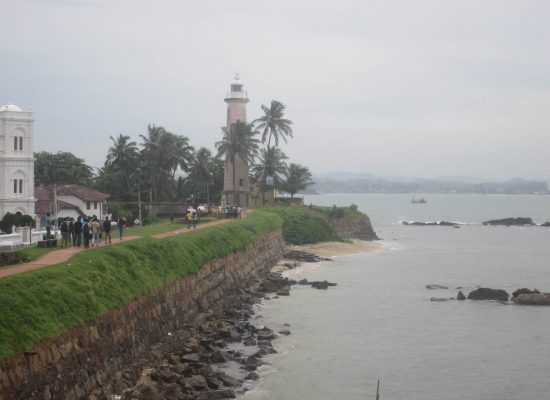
{"x": 86, "y": 231}
{"x": 231, "y": 211}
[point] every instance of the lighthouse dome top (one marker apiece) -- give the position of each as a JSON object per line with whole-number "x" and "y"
{"x": 236, "y": 80}
{"x": 10, "y": 107}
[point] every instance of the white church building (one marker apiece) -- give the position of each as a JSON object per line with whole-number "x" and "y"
{"x": 16, "y": 161}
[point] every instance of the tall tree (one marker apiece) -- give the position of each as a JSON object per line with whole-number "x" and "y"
{"x": 239, "y": 142}
{"x": 273, "y": 124}
{"x": 298, "y": 178}
{"x": 163, "y": 153}
{"x": 61, "y": 167}
{"x": 269, "y": 166}
{"x": 123, "y": 155}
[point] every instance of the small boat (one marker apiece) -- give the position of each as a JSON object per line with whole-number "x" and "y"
{"x": 418, "y": 201}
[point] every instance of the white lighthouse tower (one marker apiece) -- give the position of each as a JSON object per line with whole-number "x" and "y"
{"x": 16, "y": 161}
{"x": 236, "y": 111}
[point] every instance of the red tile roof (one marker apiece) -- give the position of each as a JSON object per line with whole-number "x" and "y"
{"x": 82, "y": 192}
{"x": 44, "y": 197}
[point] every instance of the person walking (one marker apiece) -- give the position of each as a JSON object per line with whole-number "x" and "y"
{"x": 64, "y": 228}
{"x": 48, "y": 225}
{"x": 188, "y": 218}
{"x": 107, "y": 230}
{"x": 86, "y": 233}
{"x": 195, "y": 217}
{"x": 72, "y": 236}
{"x": 78, "y": 231}
{"x": 95, "y": 232}
{"x": 121, "y": 221}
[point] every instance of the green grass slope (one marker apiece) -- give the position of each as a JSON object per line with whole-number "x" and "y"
{"x": 44, "y": 303}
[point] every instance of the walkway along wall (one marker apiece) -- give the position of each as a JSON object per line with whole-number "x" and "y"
{"x": 70, "y": 365}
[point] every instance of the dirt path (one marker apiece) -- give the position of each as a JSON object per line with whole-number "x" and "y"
{"x": 185, "y": 230}
{"x": 62, "y": 255}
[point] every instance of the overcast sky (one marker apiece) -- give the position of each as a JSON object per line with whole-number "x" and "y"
{"x": 418, "y": 88}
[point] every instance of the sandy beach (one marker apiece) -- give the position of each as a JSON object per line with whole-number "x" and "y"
{"x": 332, "y": 249}
{"x": 328, "y": 250}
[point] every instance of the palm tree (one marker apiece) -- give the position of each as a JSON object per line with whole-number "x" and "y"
{"x": 271, "y": 164}
{"x": 239, "y": 142}
{"x": 123, "y": 154}
{"x": 298, "y": 178}
{"x": 163, "y": 153}
{"x": 201, "y": 168}
{"x": 273, "y": 124}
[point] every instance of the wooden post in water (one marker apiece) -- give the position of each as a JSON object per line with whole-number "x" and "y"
{"x": 378, "y": 390}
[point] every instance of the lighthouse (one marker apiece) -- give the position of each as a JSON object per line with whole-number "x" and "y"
{"x": 236, "y": 101}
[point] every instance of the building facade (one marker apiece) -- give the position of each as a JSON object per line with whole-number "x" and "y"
{"x": 236, "y": 101}
{"x": 16, "y": 161}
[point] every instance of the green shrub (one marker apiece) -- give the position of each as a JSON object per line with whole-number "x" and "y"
{"x": 302, "y": 225}
{"x": 9, "y": 220}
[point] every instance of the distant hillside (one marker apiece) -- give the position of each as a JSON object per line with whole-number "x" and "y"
{"x": 417, "y": 185}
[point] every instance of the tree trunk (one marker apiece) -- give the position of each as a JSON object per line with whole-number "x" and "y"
{"x": 263, "y": 189}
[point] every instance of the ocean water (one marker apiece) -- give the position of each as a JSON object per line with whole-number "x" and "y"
{"x": 379, "y": 322}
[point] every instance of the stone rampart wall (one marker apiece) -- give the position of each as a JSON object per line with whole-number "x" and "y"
{"x": 70, "y": 365}
{"x": 354, "y": 228}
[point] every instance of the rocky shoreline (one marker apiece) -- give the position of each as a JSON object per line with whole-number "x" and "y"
{"x": 216, "y": 359}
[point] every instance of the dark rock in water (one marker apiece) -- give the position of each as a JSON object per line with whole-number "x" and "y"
{"x": 436, "y": 287}
{"x": 250, "y": 342}
{"x": 523, "y": 291}
{"x": 547, "y": 223}
{"x": 303, "y": 282}
{"x": 252, "y": 376}
{"x": 488, "y": 294}
{"x": 320, "y": 285}
{"x": 510, "y": 221}
{"x": 214, "y": 383}
{"x": 304, "y": 256}
{"x": 228, "y": 380}
{"x": 220, "y": 356}
{"x": 284, "y": 291}
{"x": 460, "y": 296}
{"x": 285, "y": 332}
{"x": 268, "y": 286}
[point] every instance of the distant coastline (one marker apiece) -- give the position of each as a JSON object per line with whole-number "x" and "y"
{"x": 425, "y": 186}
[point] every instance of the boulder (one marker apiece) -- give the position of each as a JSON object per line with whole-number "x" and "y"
{"x": 518, "y": 221}
{"x": 268, "y": 286}
{"x": 488, "y": 294}
{"x": 523, "y": 291}
{"x": 220, "y": 356}
{"x": 532, "y": 299}
{"x": 320, "y": 285}
{"x": 197, "y": 382}
{"x": 547, "y": 223}
{"x": 285, "y": 291}
{"x": 460, "y": 296}
{"x": 228, "y": 380}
